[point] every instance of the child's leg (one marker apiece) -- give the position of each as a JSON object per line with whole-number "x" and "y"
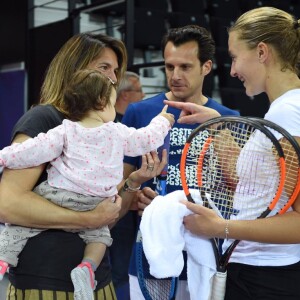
{"x": 12, "y": 241}
{"x": 83, "y": 276}
{"x": 93, "y": 254}
{"x": 3, "y": 268}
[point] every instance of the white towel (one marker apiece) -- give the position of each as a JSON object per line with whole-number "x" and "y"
{"x": 164, "y": 238}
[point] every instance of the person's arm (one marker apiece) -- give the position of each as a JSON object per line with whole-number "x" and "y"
{"x": 279, "y": 229}
{"x": 34, "y": 151}
{"x": 137, "y": 177}
{"x": 192, "y": 113}
{"x": 140, "y": 176}
{"x": 224, "y": 139}
{"x": 21, "y": 206}
{"x": 145, "y": 139}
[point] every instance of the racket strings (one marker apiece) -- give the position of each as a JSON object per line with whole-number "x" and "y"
{"x": 291, "y": 151}
{"x": 153, "y": 288}
{"x": 237, "y": 165}
{"x": 159, "y": 289}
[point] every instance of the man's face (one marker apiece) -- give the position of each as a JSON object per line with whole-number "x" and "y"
{"x": 183, "y": 70}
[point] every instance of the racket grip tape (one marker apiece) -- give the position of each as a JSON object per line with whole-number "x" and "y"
{"x": 218, "y": 286}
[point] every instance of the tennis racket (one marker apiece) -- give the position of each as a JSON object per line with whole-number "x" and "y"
{"x": 239, "y": 168}
{"x": 153, "y": 288}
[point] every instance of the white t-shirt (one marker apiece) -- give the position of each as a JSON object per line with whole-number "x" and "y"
{"x": 284, "y": 111}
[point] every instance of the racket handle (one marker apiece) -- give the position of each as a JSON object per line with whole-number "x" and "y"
{"x": 218, "y": 286}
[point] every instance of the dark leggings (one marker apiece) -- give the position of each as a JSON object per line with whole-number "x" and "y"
{"x": 263, "y": 283}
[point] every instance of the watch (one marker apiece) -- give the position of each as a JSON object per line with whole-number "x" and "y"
{"x": 128, "y": 188}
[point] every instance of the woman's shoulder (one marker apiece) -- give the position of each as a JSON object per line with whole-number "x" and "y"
{"x": 45, "y": 111}
{"x": 38, "y": 119}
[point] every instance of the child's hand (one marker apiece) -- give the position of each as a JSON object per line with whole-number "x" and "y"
{"x": 168, "y": 116}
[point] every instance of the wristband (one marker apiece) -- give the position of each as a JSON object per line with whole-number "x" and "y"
{"x": 128, "y": 188}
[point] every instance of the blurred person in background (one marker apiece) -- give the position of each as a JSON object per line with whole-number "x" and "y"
{"x": 129, "y": 91}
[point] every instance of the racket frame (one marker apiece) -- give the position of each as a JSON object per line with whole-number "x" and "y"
{"x": 222, "y": 259}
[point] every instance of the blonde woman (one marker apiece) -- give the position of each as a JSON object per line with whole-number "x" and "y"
{"x": 264, "y": 44}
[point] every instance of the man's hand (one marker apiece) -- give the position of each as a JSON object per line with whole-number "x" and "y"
{"x": 145, "y": 196}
